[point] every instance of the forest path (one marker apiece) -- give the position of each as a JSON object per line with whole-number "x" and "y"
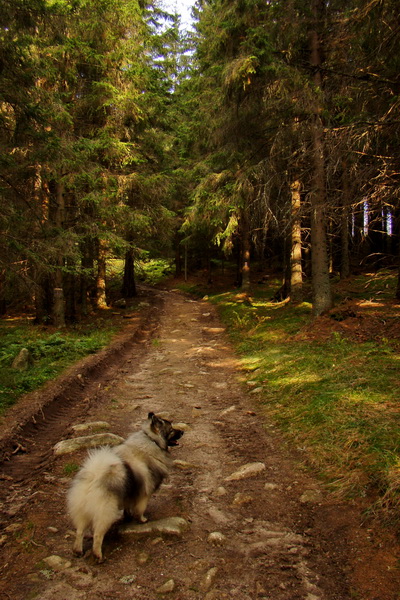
{"x": 271, "y": 534}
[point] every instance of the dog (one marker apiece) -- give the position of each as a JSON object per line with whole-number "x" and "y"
{"x": 121, "y": 478}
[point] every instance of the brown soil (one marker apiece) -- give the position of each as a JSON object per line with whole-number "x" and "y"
{"x": 358, "y": 320}
{"x": 284, "y": 538}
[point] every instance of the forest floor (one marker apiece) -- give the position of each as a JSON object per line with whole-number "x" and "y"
{"x": 275, "y": 535}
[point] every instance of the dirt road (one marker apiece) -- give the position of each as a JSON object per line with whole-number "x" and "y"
{"x": 255, "y": 525}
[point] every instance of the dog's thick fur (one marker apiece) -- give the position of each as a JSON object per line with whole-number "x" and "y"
{"x": 120, "y": 478}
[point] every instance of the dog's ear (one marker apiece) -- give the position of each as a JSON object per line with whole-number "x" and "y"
{"x": 155, "y": 422}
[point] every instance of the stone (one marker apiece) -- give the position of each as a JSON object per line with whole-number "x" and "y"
{"x": 23, "y": 360}
{"x": 13, "y": 527}
{"x": 209, "y": 579}
{"x": 240, "y": 499}
{"x": 93, "y": 425}
{"x": 227, "y": 411}
{"x": 259, "y": 548}
{"x": 57, "y": 563}
{"x": 88, "y": 441}
{"x": 156, "y": 541}
{"x": 143, "y": 558}
{"x": 246, "y": 471}
{"x": 311, "y": 496}
{"x": 167, "y": 587}
{"x": 169, "y": 526}
{"x": 217, "y": 515}
{"x": 271, "y": 486}
{"x": 143, "y": 304}
{"x": 183, "y": 465}
{"x": 216, "y": 538}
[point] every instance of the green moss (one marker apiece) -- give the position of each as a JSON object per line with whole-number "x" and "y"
{"x": 51, "y": 353}
{"x": 336, "y": 399}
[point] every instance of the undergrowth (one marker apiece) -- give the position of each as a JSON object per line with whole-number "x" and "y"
{"x": 335, "y": 398}
{"x": 50, "y": 353}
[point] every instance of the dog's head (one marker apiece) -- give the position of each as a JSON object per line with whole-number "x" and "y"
{"x": 163, "y": 431}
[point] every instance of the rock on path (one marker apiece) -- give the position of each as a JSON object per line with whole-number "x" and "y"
{"x": 87, "y": 441}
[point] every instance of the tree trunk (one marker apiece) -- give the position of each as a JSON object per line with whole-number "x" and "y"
{"x": 3, "y": 303}
{"x": 129, "y": 285}
{"x": 321, "y": 288}
{"x": 376, "y": 236}
{"x": 58, "y": 309}
{"x": 42, "y": 288}
{"x": 70, "y": 294}
{"x": 245, "y": 239}
{"x": 209, "y": 266}
{"x": 86, "y": 278}
{"x": 178, "y": 254}
{"x": 296, "y": 273}
{"x": 344, "y": 226}
{"x": 43, "y": 297}
{"x": 397, "y": 295}
{"x": 178, "y": 261}
{"x": 186, "y": 262}
{"x": 101, "y": 301}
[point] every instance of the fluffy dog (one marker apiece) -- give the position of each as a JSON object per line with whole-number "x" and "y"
{"x": 118, "y": 479}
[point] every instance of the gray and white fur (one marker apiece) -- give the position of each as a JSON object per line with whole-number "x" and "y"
{"x": 121, "y": 478}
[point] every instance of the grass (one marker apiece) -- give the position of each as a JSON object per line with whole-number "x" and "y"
{"x": 149, "y": 270}
{"x": 335, "y": 398}
{"x": 154, "y": 271}
{"x": 51, "y": 352}
{"x": 70, "y": 469}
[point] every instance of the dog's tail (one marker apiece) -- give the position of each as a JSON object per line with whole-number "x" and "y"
{"x": 105, "y": 468}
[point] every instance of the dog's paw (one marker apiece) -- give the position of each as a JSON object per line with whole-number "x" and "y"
{"x": 98, "y": 558}
{"x": 143, "y": 519}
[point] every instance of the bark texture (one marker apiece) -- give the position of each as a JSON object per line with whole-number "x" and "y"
{"x": 321, "y": 288}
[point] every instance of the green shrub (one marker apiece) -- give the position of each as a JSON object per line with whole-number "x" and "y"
{"x": 155, "y": 270}
{"x": 51, "y": 353}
